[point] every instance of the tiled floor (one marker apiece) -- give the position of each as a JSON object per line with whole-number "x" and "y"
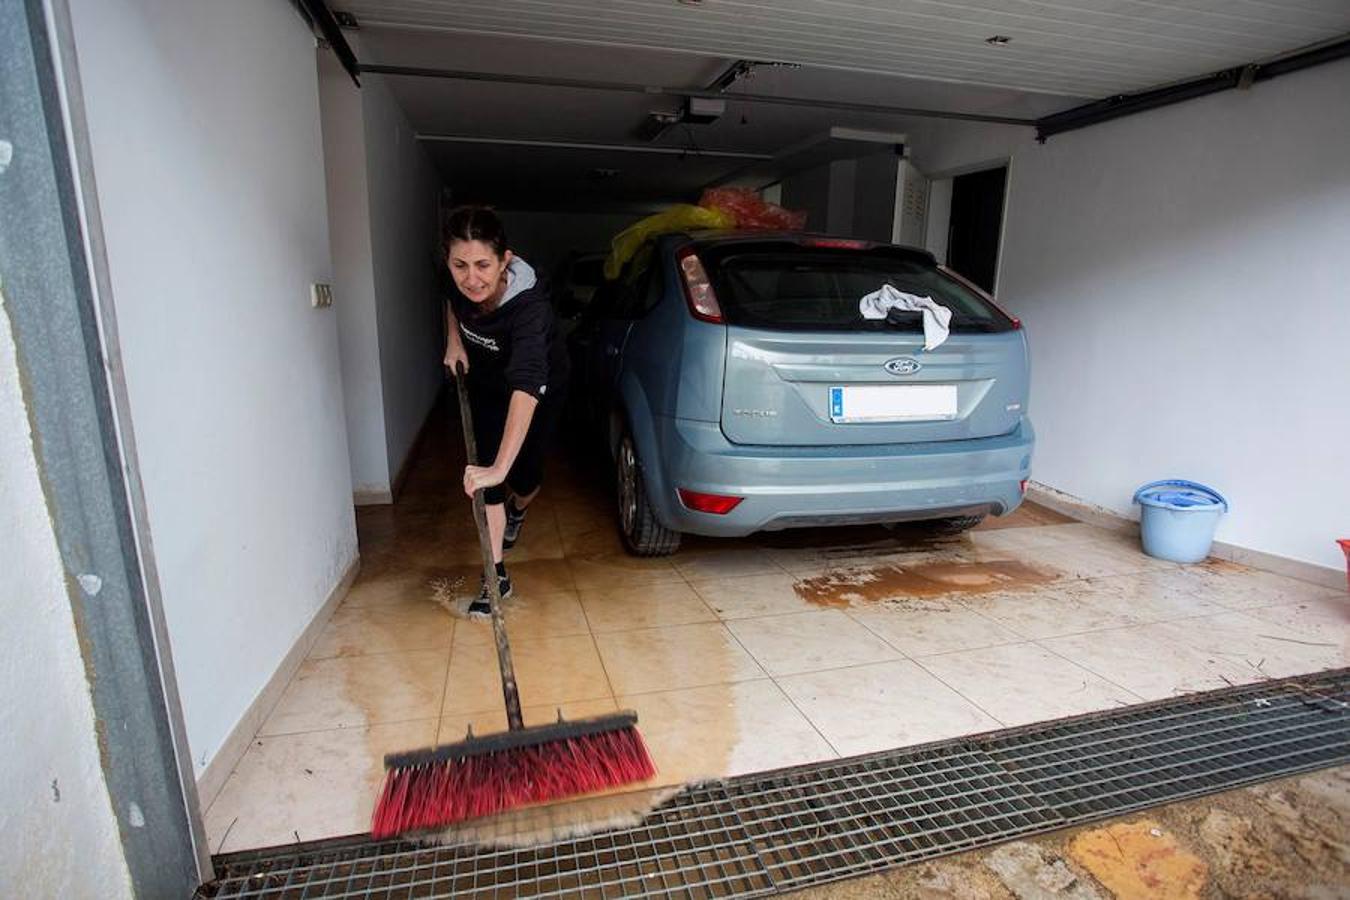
{"x": 751, "y": 654}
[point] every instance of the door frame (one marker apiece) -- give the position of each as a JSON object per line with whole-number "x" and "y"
{"x": 59, "y": 301}
{"x": 971, "y": 169}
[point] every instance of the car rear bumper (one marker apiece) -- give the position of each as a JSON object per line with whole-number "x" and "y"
{"x": 788, "y": 487}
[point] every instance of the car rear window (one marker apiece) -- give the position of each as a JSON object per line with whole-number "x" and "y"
{"x": 798, "y": 288}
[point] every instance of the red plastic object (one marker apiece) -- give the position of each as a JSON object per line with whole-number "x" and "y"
{"x": 424, "y": 797}
{"x": 1345, "y": 545}
{"x": 717, "y": 504}
{"x": 751, "y": 211}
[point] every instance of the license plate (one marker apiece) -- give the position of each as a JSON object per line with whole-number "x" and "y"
{"x": 893, "y": 403}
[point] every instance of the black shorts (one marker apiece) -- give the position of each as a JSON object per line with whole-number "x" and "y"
{"x": 489, "y": 407}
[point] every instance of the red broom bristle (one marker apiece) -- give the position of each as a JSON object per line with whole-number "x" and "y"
{"x": 440, "y": 794}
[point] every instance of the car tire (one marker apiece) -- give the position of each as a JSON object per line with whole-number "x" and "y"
{"x": 643, "y": 534}
{"x": 954, "y": 525}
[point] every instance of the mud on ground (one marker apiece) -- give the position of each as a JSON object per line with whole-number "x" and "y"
{"x": 1284, "y": 839}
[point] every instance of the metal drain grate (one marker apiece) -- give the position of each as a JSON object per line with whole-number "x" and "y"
{"x": 762, "y": 834}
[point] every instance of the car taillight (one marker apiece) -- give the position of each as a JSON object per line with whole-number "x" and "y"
{"x": 717, "y": 504}
{"x": 698, "y": 290}
{"x": 1023, "y": 485}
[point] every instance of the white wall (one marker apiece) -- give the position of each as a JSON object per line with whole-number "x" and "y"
{"x": 1185, "y": 282}
{"x": 344, "y": 153}
{"x": 939, "y": 218}
{"x": 403, "y": 237}
{"x": 382, "y": 190}
{"x": 55, "y": 796}
{"x": 204, "y": 122}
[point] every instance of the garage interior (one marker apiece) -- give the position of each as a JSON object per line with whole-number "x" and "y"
{"x": 1163, "y": 214}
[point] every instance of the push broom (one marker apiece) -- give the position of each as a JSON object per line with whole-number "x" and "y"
{"x": 480, "y": 776}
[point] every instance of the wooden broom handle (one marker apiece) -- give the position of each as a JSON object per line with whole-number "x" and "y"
{"x": 510, "y": 693}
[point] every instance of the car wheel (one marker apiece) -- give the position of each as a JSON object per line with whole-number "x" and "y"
{"x": 643, "y": 534}
{"x": 955, "y": 524}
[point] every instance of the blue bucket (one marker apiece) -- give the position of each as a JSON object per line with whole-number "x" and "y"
{"x": 1179, "y": 518}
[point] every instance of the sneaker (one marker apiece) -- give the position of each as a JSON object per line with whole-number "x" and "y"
{"x": 515, "y": 518}
{"x": 482, "y": 607}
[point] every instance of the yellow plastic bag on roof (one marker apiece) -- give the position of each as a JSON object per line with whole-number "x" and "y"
{"x": 681, "y": 217}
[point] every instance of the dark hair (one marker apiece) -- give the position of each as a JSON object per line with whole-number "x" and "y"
{"x": 476, "y": 223}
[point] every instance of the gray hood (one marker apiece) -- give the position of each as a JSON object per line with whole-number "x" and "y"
{"x": 520, "y": 277}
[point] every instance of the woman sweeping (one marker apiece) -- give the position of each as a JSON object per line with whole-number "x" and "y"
{"x": 500, "y": 327}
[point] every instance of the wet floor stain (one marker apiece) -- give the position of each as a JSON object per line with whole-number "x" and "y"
{"x": 1223, "y": 567}
{"x": 890, "y": 583}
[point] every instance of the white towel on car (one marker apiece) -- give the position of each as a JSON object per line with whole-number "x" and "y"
{"x": 936, "y": 317}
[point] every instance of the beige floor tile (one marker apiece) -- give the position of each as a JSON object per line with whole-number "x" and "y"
{"x": 725, "y": 563}
{"x": 1146, "y": 661}
{"x": 1065, "y": 608}
{"x": 624, "y": 608}
{"x": 809, "y": 642}
{"x": 1081, "y": 560}
{"x": 548, "y": 672}
{"x": 353, "y": 691}
{"x": 416, "y": 624}
{"x": 1149, "y": 596}
{"x": 722, "y": 730}
{"x": 528, "y": 578}
{"x": 605, "y": 572}
{"x": 1092, "y": 559}
{"x": 389, "y": 590}
{"x": 458, "y": 548}
{"x": 529, "y": 616}
{"x": 926, "y": 627}
{"x": 454, "y": 728}
{"x": 809, "y": 561}
{"x": 1036, "y": 537}
{"x": 1131, "y": 555}
{"x": 678, "y": 656}
{"x": 539, "y": 538}
{"x": 1240, "y": 587}
{"x": 1325, "y": 620}
{"x": 588, "y": 540}
{"x": 1022, "y": 683}
{"x": 1261, "y": 648}
{"x": 753, "y": 595}
{"x": 883, "y": 706}
{"x": 414, "y": 557}
{"x": 309, "y": 786}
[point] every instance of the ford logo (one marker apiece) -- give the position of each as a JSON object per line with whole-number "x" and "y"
{"x": 901, "y": 365}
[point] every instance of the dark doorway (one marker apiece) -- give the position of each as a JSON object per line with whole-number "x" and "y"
{"x": 977, "y": 219}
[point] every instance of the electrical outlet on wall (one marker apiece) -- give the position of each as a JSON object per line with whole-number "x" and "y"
{"x": 320, "y": 295}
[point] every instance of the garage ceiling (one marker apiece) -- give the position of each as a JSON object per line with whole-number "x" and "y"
{"x": 1084, "y": 48}
{"x": 933, "y": 53}
{"x": 519, "y": 175}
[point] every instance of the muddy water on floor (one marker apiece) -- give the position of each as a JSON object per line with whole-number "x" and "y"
{"x": 891, "y": 583}
{"x": 1222, "y": 567}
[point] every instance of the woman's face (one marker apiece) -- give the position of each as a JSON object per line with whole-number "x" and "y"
{"x": 479, "y": 272}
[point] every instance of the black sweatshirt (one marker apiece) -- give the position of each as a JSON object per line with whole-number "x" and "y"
{"x": 515, "y": 347}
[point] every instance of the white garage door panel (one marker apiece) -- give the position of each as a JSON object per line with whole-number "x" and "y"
{"x": 1088, "y": 48}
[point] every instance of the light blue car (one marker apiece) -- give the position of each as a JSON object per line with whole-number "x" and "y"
{"x": 741, "y": 389}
